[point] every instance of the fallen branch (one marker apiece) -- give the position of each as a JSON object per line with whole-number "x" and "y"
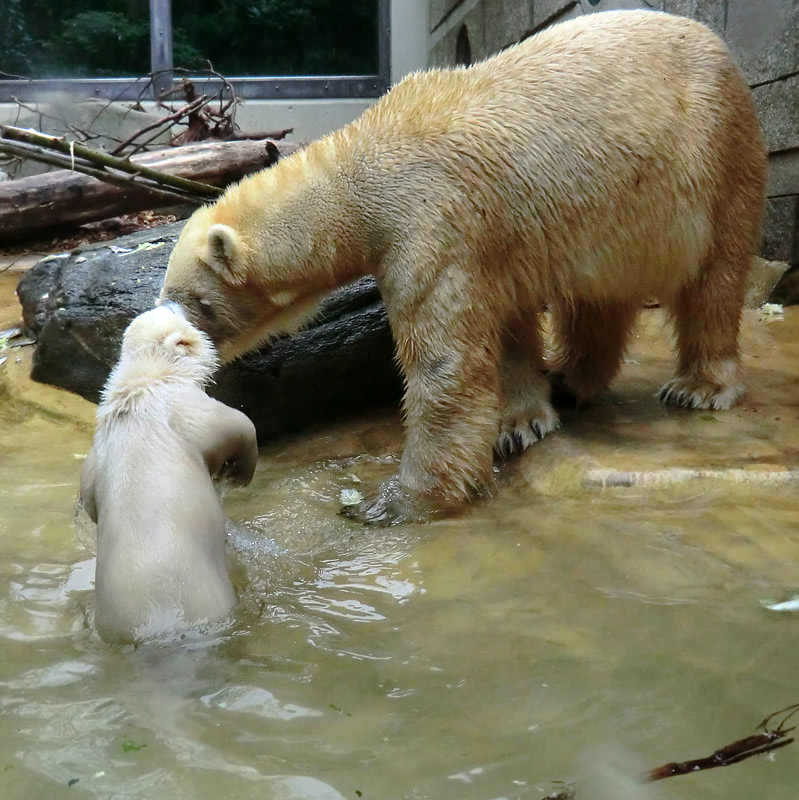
{"x": 84, "y": 167}
{"x": 757, "y": 744}
{"x": 62, "y": 200}
{"x": 203, "y": 192}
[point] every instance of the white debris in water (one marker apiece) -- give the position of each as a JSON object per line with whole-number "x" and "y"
{"x": 787, "y": 605}
{"x": 771, "y": 309}
{"x": 350, "y": 497}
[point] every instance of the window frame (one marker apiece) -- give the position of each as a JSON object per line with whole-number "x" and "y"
{"x": 331, "y": 87}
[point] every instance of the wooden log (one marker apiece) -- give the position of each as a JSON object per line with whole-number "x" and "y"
{"x": 60, "y": 200}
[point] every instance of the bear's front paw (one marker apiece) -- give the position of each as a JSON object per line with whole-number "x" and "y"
{"x": 521, "y": 428}
{"x": 378, "y": 511}
{"x": 392, "y": 505}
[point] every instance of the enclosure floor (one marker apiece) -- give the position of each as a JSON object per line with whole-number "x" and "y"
{"x": 626, "y": 429}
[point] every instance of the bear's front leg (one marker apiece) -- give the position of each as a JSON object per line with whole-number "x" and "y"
{"x": 451, "y": 409}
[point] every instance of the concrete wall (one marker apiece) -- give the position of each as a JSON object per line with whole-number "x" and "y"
{"x": 763, "y": 35}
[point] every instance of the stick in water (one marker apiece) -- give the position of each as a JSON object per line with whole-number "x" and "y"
{"x": 770, "y": 739}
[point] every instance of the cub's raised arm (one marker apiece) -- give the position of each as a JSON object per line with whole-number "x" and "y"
{"x": 88, "y": 476}
{"x": 225, "y": 437}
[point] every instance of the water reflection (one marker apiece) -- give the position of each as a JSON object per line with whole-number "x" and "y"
{"x": 553, "y": 633}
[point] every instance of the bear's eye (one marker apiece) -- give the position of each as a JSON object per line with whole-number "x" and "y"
{"x": 206, "y": 308}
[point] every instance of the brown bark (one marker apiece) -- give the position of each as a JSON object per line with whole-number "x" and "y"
{"x": 59, "y": 200}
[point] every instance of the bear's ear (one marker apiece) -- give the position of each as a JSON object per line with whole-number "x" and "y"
{"x": 182, "y": 343}
{"x": 224, "y": 254}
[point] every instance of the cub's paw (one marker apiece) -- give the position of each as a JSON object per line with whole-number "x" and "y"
{"x": 695, "y": 393}
{"x": 517, "y": 431}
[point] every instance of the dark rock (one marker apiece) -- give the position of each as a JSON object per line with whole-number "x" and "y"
{"x": 78, "y": 305}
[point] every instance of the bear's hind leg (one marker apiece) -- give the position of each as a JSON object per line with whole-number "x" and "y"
{"x": 527, "y": 414}
{"x": 591, "y": 336}
{"x": 707, "y": 316}
{"x": 707, "y": 309}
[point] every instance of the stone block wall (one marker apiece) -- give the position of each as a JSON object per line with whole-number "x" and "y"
{"x": 763, "y": 35}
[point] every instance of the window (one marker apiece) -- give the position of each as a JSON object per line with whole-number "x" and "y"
{"x": 266, "y": 48}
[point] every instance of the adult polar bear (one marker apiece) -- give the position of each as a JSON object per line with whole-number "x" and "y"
{"x": 603, "y": 162}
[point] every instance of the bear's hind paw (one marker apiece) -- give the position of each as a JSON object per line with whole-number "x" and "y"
{"x": 697, "y": 394}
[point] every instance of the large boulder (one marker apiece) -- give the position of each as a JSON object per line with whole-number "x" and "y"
{"x": 77, "y": 306}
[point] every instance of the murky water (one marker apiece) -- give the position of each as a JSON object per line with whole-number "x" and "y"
{"x": 554, "y": 633}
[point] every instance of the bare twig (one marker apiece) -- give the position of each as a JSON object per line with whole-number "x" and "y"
{"x": 158, "y": 124}
{"x": 34, "y": 110}
{"x": 201, "y": 120}
{"x": 756, "y": 744}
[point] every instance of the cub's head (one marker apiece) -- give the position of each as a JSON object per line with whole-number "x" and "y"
{"x": 237, "y": 290}
{"x": 165, "y": 333}
{"x": 159, "y": 347}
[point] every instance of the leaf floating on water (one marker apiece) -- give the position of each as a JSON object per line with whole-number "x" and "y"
{"x": 129, "y": 746}
{"x": 350, "y": 497}
{"x": 72, "y": 781}
{"x": 708, "y": 418}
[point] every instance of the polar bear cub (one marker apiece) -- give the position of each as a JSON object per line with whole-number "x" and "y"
{"x": 148, "y": 483}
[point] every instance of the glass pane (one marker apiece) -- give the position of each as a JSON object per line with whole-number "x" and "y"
{"x": 74, "y": 38}
{"x": 276, "y": 37}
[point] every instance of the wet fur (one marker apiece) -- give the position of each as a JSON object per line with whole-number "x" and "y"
{"x": 604, "y": 162}
{"x": 147, "y": 483}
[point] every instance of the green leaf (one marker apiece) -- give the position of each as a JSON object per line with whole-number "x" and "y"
{"x": 129, "y": 746}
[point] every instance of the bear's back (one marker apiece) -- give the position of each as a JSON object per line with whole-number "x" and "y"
{"x": 615, "y": 68}
{"x": 611, "y": 121}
